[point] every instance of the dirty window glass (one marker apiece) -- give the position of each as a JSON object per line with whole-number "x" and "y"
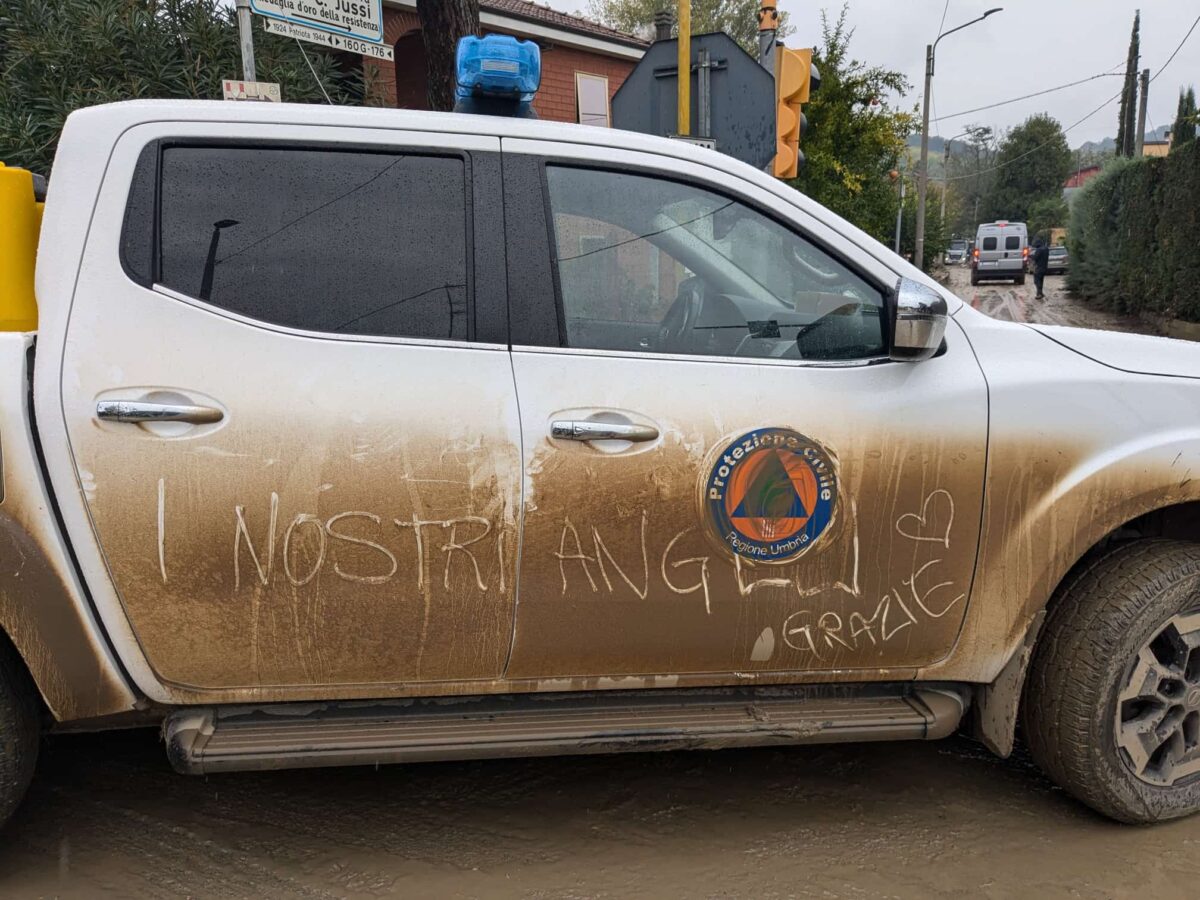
{"x": 653, "y": 265}
{"x": 137, "y": 232}
{"x": 1012, "y": 242}
{"x": 334, "y": 241}
{"x": 989, "y": 243}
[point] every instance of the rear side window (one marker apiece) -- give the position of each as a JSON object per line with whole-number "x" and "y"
{"x": 989, "y": 243}
{"x": 338, "y": 241}
{"x": 1012, "y": 242}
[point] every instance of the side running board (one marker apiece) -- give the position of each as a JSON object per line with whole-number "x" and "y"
{"x": 283, "y": 736}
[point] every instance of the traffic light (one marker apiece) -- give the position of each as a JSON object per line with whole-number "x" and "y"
{"x": 795, "y": 79}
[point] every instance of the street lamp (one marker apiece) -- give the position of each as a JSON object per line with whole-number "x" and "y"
{"x": 923, "y": 181}
{"x": 210, "y": 262}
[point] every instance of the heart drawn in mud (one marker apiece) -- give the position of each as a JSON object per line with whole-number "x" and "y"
{"x": 917, "y": 527}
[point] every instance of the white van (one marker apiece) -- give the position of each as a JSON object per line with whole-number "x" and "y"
{"x": 1001, "y": 249}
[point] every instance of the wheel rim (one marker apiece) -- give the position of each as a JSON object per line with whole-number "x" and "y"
{"x": 1158, "y": 711}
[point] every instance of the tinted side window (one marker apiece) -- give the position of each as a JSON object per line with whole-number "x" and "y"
{"x": 137, "y": 232}
{"x": 1012, "y": 242}
{"x": 651, "y": 264}
{"x": 989, "y": 243}
{"x": 351, "y": 242}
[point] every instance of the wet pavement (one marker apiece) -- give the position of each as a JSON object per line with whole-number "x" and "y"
{"x": 108, "y": 818}
{"x": 1016, "y": 303}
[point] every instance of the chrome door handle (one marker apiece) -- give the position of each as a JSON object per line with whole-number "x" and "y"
{"x": 139, "y": 411}
{"x": 568, "y": 430}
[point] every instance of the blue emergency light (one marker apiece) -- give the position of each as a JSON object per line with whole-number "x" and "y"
{"x": 498, "y": 66}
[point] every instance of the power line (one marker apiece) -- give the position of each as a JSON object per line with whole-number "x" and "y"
{"x": 1177, "y": 49}
{"x": 1080, "y": 121}
{"x": 941, "y": 25}
{"x": 320, "y": 84}
{"x": 1061, "y": 87}
{"x": 1015, "y": 159}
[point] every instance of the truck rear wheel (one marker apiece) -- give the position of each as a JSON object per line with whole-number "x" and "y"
{"x": 19, "y": 731}
{"x": 1112, "y": 705}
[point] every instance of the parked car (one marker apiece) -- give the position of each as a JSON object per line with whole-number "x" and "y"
{"x": 956, "y": 253}
{"x": 1001, "y": 252}
{"x": 361, "y": 436}
{"x": 1058, "y": 261}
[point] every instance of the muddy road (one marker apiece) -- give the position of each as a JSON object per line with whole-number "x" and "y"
{"x": 108, "y": 818}
{"x": 1015, "y": 303}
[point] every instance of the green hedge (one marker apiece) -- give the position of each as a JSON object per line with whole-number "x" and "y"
{"x": 1135, "y": 236}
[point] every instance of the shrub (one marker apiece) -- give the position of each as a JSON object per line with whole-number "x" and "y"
{"x": 1133, "y": 236}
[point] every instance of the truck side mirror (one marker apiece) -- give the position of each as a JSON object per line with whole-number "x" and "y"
{"x": 918, "y": 321}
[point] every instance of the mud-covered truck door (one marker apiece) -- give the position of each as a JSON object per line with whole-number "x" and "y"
{"x": 725, "y": 472}
{"x": 280, "y": 419}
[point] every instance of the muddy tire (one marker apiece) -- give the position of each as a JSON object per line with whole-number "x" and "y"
{"x": 1111, "y": 709}
{"x": 19, "y": 730}
{"x": 1021, "y": 280}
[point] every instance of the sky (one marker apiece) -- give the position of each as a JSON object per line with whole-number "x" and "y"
{"x": 1030, "y": 46}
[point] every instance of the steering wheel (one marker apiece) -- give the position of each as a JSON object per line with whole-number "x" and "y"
{"x": 677, "y": 330}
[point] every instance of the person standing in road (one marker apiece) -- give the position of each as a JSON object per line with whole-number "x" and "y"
{"x": 1041, "y": 260}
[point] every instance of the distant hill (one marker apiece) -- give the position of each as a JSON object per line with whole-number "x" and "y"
{"x": 936, "y": 144}
{"x": 1159, "y": 133}
{"x": 1108, "y": 145}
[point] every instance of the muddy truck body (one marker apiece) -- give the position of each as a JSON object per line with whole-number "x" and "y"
{"x": 352, "y": 436}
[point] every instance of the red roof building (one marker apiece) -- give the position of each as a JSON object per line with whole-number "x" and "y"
{"x": 1080, "y": 177}
{"x": 583, "y": 62}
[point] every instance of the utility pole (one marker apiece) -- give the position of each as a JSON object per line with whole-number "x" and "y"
{"x": 246, "y": 37}
{"x": 1141, "y": 129}
{"x": 945, "y": 179}
{"x": 683, "y": 124}
{"x": 923, "y": 170}
{"x": 768, "y": 27}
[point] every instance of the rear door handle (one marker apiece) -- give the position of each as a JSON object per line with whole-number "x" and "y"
{"x": 573, "y": 430}
{"x": 140, "y": 411}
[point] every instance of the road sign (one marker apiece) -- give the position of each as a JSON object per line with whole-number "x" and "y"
{"x": 233, "y": 89}
{"x": 324, "y": 38}
{"x": 740, "y": 111}
{"x": 360, "y": 19}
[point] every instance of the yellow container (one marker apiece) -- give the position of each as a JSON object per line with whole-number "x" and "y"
{"x": 20, "y": 223}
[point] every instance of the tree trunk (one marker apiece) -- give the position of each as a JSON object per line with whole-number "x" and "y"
{"x": 443, "y": 22}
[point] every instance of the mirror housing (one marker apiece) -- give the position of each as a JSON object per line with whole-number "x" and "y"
{"x": 918, "y": 321}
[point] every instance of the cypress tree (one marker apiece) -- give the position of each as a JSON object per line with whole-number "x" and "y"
{"x": 1184, "y": 129}
{"x": 1126, "y": 126}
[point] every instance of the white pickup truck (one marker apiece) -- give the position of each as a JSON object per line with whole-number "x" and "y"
{"x": 353, "y": 436}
